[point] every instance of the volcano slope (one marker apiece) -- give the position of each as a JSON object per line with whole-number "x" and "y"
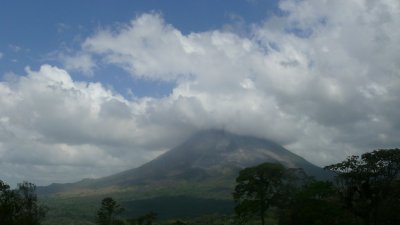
{"x": 204, "y": 167}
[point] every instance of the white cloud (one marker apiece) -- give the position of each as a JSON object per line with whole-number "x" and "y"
{"x": 314, "y": 74}
{"x": 80, "y": 62}
{"x": 323, "y": 80}
{"x": 47, "y": 120}
{"x": 1, "y": 55}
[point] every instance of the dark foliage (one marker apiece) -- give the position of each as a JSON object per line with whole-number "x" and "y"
{"x": 366, "y": 192}
{"x": 146, "y": 219}
{"x": 108, "y": 212}
{"x": 172, "y": 207}
{"x": 20, "y": 206}
{"x": 261, "y": 187}
{"x": 317, "y": 203}
{"x": 369, "y": 186}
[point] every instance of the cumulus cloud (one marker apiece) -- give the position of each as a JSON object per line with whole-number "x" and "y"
{"x": 322, "y": 79}
{"x": 80, "y": 62}
{"x": 48, "y": 121}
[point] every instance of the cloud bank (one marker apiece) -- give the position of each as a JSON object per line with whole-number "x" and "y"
{"x": 322, "y": 79}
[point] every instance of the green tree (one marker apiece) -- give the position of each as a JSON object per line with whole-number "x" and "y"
{"x": 108, "y": 212}
{"x": 317, "y": 203}
{"x": 177, "y": 222}
{"x": 146, "y": 219}
{"x": 8, "y": 204}
{"x": 368, "y": 184}
{"x": 30, "y": 212}
{"x": 260, "y": 187}
{"x": 20, "y": 206}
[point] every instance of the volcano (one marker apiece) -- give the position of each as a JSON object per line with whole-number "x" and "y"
{"x": 208, "y": 154}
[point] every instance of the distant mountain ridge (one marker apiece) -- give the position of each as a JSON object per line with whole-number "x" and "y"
{"x": 207, "y": 154}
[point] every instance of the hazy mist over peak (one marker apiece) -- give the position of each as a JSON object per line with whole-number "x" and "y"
{"x": 111, "y": 88}
{"x": 205, "y": 157}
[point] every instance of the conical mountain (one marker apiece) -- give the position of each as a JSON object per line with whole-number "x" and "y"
{"x": 211, "y": 153}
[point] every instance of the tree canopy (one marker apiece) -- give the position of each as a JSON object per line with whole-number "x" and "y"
{"x": 260, "y": 187}
{"x": 108, "y": 212}
{"x": 366, "y": 191}
{"x": 369, "y": 186}
{"x": 20, "y": 206}
{"x": 316, "y": 203}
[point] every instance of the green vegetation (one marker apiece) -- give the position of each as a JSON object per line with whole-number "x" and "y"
{"x": 365, "y": 191}
{"x": 258, "y": 188}
{"x": 168, "y": 200}
{"x": 20, "y": 206}
{"x": 369, "y": 186}
{"x": 316, "y": 203}
{"x": 108, "y": 212}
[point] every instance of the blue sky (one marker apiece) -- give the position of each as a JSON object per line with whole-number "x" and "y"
{"x": 34, "y": 31}
{"x": 91, "y": 88}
